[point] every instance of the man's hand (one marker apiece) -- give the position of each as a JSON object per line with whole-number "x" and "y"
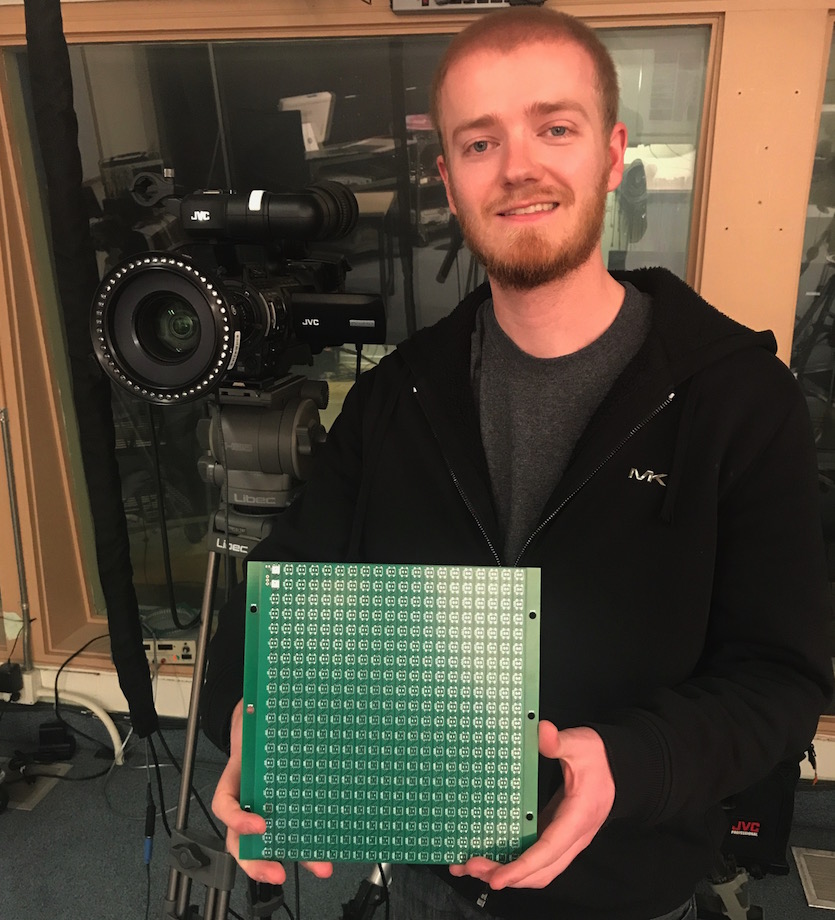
{"x": 227, "y": 808}
{"x": 569, "y": 821}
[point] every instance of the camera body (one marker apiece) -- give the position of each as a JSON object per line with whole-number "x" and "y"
{"x": 241, "y": 305}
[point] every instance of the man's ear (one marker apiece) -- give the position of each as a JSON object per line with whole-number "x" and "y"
{"x": 444, "y": 173}
{"x": 617, "y": 149}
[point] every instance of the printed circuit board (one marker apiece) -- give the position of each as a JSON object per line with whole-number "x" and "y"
{"x": 390, "y": 711}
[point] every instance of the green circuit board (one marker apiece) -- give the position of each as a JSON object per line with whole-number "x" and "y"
{"x": 390, "y": 711}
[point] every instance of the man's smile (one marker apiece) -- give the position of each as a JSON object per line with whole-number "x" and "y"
{"x": 529, "y": 209}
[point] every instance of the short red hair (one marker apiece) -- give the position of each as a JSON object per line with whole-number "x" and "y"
{"x": 507, "y": 29}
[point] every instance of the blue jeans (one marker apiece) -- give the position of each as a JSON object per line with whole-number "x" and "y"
{"x": 418, "y": 894}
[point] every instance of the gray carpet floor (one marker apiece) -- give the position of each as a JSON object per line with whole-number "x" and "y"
{"x": 78, "y": 853}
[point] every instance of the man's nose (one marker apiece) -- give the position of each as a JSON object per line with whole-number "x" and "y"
{"x": 521, "y": 163}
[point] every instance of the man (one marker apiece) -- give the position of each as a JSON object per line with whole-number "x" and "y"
{"x": 650, "y": 455}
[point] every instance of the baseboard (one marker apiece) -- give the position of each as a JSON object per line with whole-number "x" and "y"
{"x": 172, "y": 690}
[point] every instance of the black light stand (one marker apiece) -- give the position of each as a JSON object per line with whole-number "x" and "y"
{"x": 259, "y": 443}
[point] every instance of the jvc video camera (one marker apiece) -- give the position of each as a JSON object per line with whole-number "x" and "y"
{"x": 240, "y": 302}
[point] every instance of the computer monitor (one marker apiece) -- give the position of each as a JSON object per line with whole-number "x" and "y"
{"x": 316, "y": 114}
{"x": 267, "y": 151}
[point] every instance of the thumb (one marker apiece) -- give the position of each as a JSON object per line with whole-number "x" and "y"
{"x": 549, "y": 740}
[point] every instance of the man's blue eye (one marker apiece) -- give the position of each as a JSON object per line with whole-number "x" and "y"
{"x": 479, "y": 146}
{"x": 558, "y": 130}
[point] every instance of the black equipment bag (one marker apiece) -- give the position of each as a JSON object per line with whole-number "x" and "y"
{"x": 760, "y": 820}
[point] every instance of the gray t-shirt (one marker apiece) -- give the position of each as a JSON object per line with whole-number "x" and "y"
{"x": 532, "y": 411}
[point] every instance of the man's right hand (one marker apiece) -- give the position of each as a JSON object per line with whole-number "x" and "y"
{"x": 227, "y": 808}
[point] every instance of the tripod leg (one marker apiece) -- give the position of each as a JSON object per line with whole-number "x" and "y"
{"x": 217, "y": 904}
{"x": 193, "y": 856}
{"x": 263, "y": 899}
{"x": 193, "y": 725}
{"x": 371, "y": 893}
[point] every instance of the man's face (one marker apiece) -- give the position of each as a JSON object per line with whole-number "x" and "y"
{"x": 528, "y": 164}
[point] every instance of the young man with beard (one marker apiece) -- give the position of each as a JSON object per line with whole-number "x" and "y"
{"x": 683, "y": 627}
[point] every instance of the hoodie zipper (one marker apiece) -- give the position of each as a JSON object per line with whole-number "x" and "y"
{"x": 466, "y": 500}
{"x": 458, "y": 485}
{"x": 658, "y": 409}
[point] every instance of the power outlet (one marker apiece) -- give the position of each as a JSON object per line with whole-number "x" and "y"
{"x": 170, "y": 651}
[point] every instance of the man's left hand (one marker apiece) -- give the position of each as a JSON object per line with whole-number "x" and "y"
{"x": 569, "y": 821}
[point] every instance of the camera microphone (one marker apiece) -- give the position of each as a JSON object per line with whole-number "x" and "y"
{"x": 327, "y": 210}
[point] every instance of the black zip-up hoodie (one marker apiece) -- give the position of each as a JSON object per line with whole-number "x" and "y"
{"x": 684, "y": 593}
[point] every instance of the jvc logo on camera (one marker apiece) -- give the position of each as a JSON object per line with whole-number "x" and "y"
{"x": 310, "y": 321}
{"x": 201, "y": 215}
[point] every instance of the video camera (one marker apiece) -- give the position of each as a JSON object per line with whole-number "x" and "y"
{"x": 242, "y": 305}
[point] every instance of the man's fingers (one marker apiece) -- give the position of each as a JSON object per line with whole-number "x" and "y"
{"x": 477, "y": 866}
{"x": 319, "y": 869}
{"x": 560, "y": 842}
{"x": 241, "y": 822}
{"x": 542, "y": 866}
{"x": 261, "y": 870}
{"x": 549, "y": 740}
{"x": 227, "y": 809}
{"x": 570, "y": 820}
{"x": 274, "y": 873}
{"x": 226, "y": 806}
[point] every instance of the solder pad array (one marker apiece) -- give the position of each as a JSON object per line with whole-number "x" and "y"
{"x": 390, "y": 711}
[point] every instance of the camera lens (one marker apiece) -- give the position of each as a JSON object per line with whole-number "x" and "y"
{"x": 167, "y": 326}
{"x": 163, "y": 329}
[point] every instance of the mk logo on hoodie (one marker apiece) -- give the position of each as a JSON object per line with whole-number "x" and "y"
{"x": 648, "y": 476}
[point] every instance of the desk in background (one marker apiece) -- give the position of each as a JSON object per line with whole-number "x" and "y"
{"x": 368, "y": 164}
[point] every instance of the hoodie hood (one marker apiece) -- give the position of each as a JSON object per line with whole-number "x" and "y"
{"x": 687, "y": 333}
{"x": 692, "y": 332}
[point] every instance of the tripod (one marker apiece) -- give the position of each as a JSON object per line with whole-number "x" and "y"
{"x": 258, "y": 443}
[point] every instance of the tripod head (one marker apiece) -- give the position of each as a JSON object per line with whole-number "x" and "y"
{"x": 259, "y": 444}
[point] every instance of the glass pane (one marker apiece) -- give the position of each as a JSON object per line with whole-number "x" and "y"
{"x": 813, "y": 347}
{"x": 662, "y": 75}
{"x": 280, "y": 115}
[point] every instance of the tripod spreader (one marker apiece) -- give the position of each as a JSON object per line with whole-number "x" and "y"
{"x": 371, "y": 893}
{"x": 199, "y": 858}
